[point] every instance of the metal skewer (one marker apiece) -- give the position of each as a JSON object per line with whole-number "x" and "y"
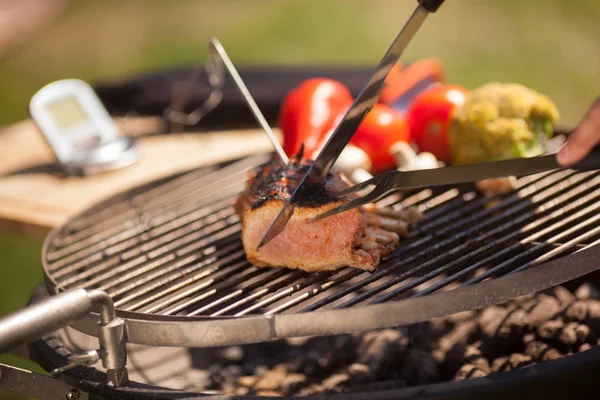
{"x": 216, "y": 50}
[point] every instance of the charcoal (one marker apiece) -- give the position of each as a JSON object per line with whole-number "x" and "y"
{"x": 269, "y": 393}
{"x": 587, "y": 291}
{"x": 419, "y": 368}
{"x": 500, "y": 322}
{"x": 461, "y": 316}
{"x": 247, "y": 381}
{"x": 459, "y": 334}
{"x": 574, "y": 334}
{"x": 529, "y": 337}
{"x": 584, "y": 347}
{"x": 528, "y": 330}
{"x": 382, "y": 350}
{"x": 423, "y": 335}
{"x": 343, "y": 346}
{"x": 543, "y": 309}
{"x": 563, "y": 295}
{"x": 576, "y": 312}
{"x": 311, "y": 390}
{"x": 550, "y": 330}
{"x": 231, "y": 373}
{"x": 292, "y": 383}
{"x": 260, "y": 370}
{"x": 525, "y": 301}
{"x": 271, "y": 380}
{"x": 360, "y": 373}
{"x": 216, "y": 377}
{"x": 266, "y": 354}
{"x": 314, "y": 364}
{"x": 240, "y": 391}
{"x": 593, "y": 317}
{"x": 461, "y": 354}
{"x": 469, "y": 371}
{"x": 536, "y": 349}
{"x": 550, "y": 354}
{"x": 336, "y": 382}
{"x": 501, "y": 330}
{"x": 233, "y": 354}
{"x": 514, "y": 361}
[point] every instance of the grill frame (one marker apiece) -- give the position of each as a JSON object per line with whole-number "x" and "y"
{"x": 554, "y": 378}
{"x": 200, "y": 331}
{"x": 212, "y": 332}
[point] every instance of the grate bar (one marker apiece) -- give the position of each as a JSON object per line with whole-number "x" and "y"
{"x": 496, "y": 255}
{"x": 211, "y": 268}
{"x": 511, "y": 262}
{"x": 532, "y": 239}
{"x": 208, "y": 242}
{"x": 225, "y": 272}
{"x": 153, "y": 280}
{"x": 191, "y": 180}
{"x": 247, "y": 274}
{"x": 102, "y": 272}
{"x": 143, "y": 211}
{"x": 289, "y": 279}
{"x": 461, "y": 249}
{"x": 456, "y": 223}
{"x": 173, "y": 248}
{"x": 145, "y": 227}
{"x": 310, "y": 280}
{"x": 313, "y": 292}
{"x": 275, "y": 274}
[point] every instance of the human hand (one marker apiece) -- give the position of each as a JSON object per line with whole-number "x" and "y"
{"x": 583, "y": 139}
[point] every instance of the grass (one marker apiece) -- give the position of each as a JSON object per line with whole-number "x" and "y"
{"x": 20, "y": 273}
{"x": 550, "y": 45}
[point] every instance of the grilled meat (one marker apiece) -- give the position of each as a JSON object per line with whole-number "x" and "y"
{"x": 357, "y": 238}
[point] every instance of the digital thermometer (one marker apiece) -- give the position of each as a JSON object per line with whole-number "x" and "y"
{"x": 78, "y": 128}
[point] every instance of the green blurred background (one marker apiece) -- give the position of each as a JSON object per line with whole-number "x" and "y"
{"x": 550, "y": 45}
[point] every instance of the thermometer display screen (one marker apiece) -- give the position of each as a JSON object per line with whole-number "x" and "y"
{"x": 68, "y": 113}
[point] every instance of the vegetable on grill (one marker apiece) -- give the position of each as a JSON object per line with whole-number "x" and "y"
{"x": 501, "y": 121}
{"x": 310, "y": 111}
{"x": 429, "y": 117}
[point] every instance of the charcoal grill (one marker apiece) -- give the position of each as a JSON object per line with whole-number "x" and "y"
{"x": 169, "y": 256}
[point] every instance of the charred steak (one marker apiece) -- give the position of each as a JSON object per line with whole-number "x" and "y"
{"x": 357, "y": 238}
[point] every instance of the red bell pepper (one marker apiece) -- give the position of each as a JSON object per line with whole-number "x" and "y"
{"x": 310, "y": 111}
{"x": 403, "y": 84}
{"x": 379, "y": 131}
{"x": 382, "y": 127}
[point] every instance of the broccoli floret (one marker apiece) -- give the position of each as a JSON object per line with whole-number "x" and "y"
{"x": 501, "y": 121}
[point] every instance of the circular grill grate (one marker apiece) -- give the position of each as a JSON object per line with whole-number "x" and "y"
{"x": 172, "y": 248}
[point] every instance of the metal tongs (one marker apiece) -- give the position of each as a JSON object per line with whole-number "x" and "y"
{"x": 391, "y": 181}
{"x": 363, "y": 103}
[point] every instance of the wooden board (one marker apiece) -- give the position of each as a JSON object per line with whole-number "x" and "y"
{"x": 34, "y": 199}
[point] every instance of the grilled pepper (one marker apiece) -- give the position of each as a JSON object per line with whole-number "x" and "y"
{"x": 501, "y": 121}
{"x": 382, "y": 127}
{"x": 310, "y": 111}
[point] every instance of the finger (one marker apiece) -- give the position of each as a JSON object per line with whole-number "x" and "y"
{"x": 583, "y": 139}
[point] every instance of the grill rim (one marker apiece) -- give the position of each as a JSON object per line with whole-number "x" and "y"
{"x": 548, "y": 377}
{"x": 173, "y": 331}
{"x": 210, "y": 331}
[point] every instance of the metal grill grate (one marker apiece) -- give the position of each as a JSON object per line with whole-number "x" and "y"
{"x": 172, "y": 248}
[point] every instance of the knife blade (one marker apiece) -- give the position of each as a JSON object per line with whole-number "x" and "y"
{"x": 363, "y": 103}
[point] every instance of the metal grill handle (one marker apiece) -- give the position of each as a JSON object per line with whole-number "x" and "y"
{"x": 63, "y": 309}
